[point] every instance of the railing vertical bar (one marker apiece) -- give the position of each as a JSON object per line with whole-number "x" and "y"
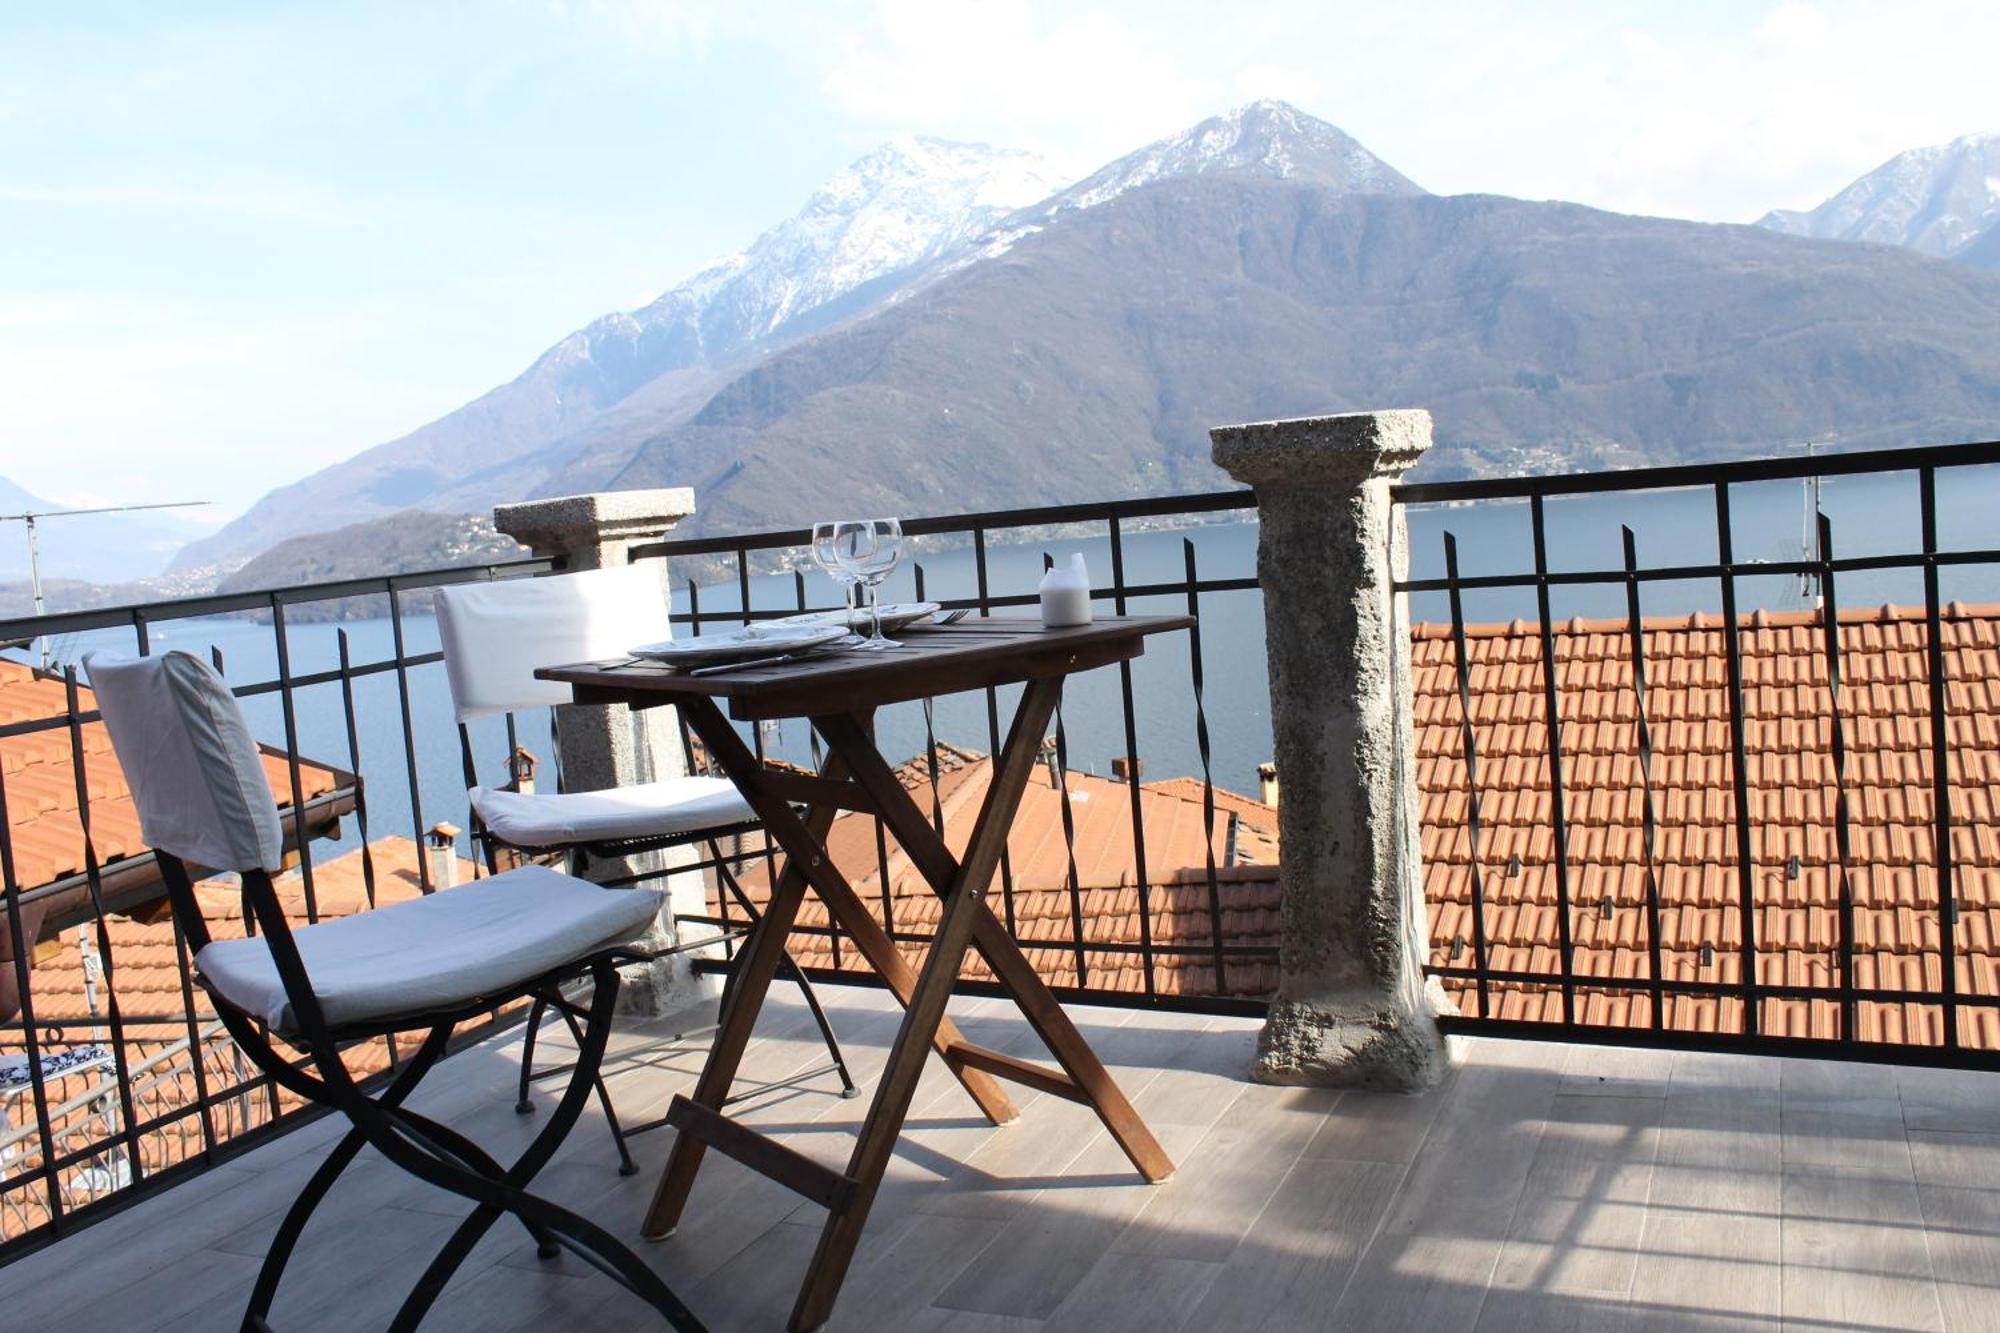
{"x": 301, "y": 836}
{"x": 980, "y": 573}
{"x": 1829, "y": 616}
{"x": 184, "y": 964}
{"x": 1470, "y": 746}
{"x": 93, "y": 878}
{"x": 1069, "y": 848}
{"x": 882, "y": 880}
{"x": 409, "y": 730}
{"x": 1649, "y": 812}
{"x": 360, "y": 788}
{"x": 756, "y": 728}
{"x": 183, "y": 961}
{"x": 1552, "y": 721}
{"x": 1746, "y": 883}
{"x": 1195, "y": 677}
{"x": 23, "y": 949}
{"x": 930, "y": 734}
{"x": 832, "y": 925}
{"x": 1940, "y": 763}
{"x": 1069, "y": 834}
{"x": 1143, "y": 880}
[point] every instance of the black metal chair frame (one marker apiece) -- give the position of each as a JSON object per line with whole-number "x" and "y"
{"x": 431, "y": 1151}
{"x": 492, "y": 845}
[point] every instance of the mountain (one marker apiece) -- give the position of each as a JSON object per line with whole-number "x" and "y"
{"x": 1090, "y": 359}
{"x": 913, "y": 343}
{"x": 391, "y": 545}
{"x": 905, "y": 216}
{"x": 1937, "y": 200}
{"x": 94, "y": 548}
{"x": 894, "y": 210}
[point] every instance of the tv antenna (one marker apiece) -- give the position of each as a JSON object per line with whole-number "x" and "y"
{"x": 1809, "y": 547}
{"x": 31, "y": 517}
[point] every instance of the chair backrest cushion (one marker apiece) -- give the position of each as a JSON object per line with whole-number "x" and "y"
{"x": 495, "y": 634}
{"x": 192, "y": 766}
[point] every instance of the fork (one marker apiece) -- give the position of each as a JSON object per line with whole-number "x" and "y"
{"x": 803, "y": 654}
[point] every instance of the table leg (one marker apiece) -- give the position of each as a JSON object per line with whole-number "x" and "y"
{"x": 1009, "y": 965}
{"x": 757, "y": 964}
{"x": 964, "y": 902}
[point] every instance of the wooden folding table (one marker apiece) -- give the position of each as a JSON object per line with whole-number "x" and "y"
{"x": 840, "y": 694}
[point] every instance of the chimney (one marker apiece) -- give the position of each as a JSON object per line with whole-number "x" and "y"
{"x": 1047, "y": 756}
{"x": 441, "y": 854}
{"x": 1267, "y": 783}
{"x": 1126, "y": 770}
{"x": 521, "y": 771}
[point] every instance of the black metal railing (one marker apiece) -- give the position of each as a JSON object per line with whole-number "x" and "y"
{"x": 1825, "y": 940}
{"x": 123, "y": 1092}
{"x": 118, "y": 1093}
{"x": 1087, "y": 948}
{"x": 1117, "y": 907}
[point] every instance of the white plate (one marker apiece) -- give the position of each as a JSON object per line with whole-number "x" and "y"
{"x": 766, "y": 640}
{"x": 894, "y": 616}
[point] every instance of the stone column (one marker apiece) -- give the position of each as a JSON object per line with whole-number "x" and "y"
{"x": 612, "y": 746}
{"x": 1352, "y": 1008}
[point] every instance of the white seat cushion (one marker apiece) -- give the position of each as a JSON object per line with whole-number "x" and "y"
{"x": 435, "y": 952}
{"x": 648, "y": 810}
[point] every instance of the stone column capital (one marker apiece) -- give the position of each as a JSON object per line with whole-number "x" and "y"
{"x": 597, "y": 529}
{"x": 1316, "y": 452}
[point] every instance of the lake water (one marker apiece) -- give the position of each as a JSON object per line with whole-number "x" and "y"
{"x": 1871, "y": 515}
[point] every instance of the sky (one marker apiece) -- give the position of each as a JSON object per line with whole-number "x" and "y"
{"x": 239, "y": 242}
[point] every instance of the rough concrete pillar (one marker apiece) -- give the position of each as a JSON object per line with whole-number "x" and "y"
{"x": 612, "y": 746}
{"x": 1352, "y": 1008}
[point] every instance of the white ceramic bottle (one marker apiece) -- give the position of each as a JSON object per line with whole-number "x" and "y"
{"x": 1066, "y": 594}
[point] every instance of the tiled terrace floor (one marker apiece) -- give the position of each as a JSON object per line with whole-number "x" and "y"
{"x": 1542, "y": 1187}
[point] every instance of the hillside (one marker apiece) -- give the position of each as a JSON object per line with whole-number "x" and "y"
{"x": 1090, "y": 360}
{"x": 94, "y": 548}
{"x": 1984, "y": 251}
{"x": 399, "y": 544}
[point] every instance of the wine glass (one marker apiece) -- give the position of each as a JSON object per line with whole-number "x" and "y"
{"x": 870, "y": 549}
{"x": 826, "y": 554}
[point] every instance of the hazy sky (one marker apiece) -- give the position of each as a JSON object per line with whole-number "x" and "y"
{"x": 240, "y": 241}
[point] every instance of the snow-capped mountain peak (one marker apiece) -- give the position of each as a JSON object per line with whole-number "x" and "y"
{"x": 907, "y": 203}
{"x": 1938, "y": 199}
{"x": 1264, "y": 138}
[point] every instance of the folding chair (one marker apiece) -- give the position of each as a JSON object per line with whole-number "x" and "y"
{"x": 422, "y": 965}
{"x": 494, "y": 636}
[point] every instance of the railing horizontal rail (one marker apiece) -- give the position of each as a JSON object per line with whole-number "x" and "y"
{"x": 220, "y": 604}
{"x": 1161, "y": 506}
{"x": 1690, "y": 475}
{"x": 1677, "y": 573}
{"x": 1727, "y": 1043}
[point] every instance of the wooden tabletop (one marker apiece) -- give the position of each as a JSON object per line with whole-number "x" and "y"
{"x": 933, "y": 660}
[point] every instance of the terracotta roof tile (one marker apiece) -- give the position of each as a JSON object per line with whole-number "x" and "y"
{"x": 1790, "y": 780}
{"x": 38, "y": 769}
{"x": 1790, "y": 788}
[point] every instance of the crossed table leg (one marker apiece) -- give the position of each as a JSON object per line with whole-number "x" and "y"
{"x": 855, "y": 776}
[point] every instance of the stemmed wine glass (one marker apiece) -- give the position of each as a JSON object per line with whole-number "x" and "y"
{"x": 826, "y": 554}
{"x": 869, "y": 549}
